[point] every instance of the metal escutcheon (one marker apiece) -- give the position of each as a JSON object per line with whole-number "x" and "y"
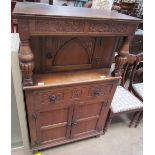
{"x": 53, "y": 98}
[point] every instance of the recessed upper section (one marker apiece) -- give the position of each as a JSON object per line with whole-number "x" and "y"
{"x": 39, "y": 9}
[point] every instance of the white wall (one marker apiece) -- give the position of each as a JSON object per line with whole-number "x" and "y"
{"x": 19, "y": 124}
{"x": 16, "y": 139}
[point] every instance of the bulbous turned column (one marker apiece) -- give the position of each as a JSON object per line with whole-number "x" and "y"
{"x": 26, "y": 62}
{"x": 121, "y": 58}
{"x": 25, "y": 53}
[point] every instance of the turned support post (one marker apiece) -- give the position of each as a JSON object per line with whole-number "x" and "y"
{"x": 25, "y": 53}
{"x": 26, "y": 62}
{"x": 121, "y": 58}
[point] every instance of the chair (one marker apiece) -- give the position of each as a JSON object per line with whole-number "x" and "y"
{"x": 124, "y": 101}
{"x": 136, "y": 82}
{"x": 136, "y": 44}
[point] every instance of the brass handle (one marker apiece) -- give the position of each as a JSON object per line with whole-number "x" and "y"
{"x": 97, "y": 93}
{"x": 53, "y": 98}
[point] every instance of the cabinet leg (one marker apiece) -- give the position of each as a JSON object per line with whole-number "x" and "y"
{"x": 107, "y": 124}
{"x": 97, "y": 136}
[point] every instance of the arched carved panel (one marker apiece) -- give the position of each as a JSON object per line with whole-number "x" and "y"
{"x": 72, "y": 52}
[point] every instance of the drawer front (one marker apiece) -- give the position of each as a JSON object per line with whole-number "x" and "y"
{"x": 53, "y": 98}
{"x": 100, "y": 91}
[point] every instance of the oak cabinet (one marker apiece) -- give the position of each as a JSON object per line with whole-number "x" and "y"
{"x": 65, "y": 59}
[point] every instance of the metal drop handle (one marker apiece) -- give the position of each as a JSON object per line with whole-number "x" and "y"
{"x": 97, "y": 93}
{"x": 53, "y": 98}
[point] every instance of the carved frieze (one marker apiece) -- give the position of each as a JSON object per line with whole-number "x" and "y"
{"x": 59, "y": 25}
{"x": 108, "y": 27}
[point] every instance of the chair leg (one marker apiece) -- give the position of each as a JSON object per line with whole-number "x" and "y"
{"x": 139, "y": 118}
{"x": 135, "y": 117}
{"x": 108, "y": 121}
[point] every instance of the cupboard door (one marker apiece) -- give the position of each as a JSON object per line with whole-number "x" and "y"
{"x": 87, "y": 119}
{"x": 53, "y": 125}
{"x": 103, "y": 52}
{"x": 67, "y": 53}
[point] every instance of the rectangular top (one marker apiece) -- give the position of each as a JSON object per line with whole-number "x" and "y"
{"x": 40, "y": 9}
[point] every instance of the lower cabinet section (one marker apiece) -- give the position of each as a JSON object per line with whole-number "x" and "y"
{"x": 53, "y": 122}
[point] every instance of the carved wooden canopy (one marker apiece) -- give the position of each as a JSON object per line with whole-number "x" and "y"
{"x": 46, "y": 20}
{"x": 42, "y": 19}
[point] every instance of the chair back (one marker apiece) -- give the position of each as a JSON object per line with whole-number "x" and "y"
{"x": 133, "y": 70}
{"x": 137, "y": 72}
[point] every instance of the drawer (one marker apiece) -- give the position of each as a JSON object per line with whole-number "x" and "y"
{"x": 45, "y": 99}
{"x": 57, "y": 97}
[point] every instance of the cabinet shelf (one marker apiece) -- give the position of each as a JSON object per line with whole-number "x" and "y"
{"x": 69, "y": 78}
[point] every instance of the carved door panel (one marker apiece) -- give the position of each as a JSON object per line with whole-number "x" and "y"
{"x": 72, "y": 53}
{"x": 53, "y": 125}
{"x": 87, "y": 119}
{"x": 103, "y": 52}
{"x": 67, "y": 53}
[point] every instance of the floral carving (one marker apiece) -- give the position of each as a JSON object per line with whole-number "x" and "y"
{"x": 108, "y": 27}
{"x": 76, "y": 93}
{"x": 57, "y": 25}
